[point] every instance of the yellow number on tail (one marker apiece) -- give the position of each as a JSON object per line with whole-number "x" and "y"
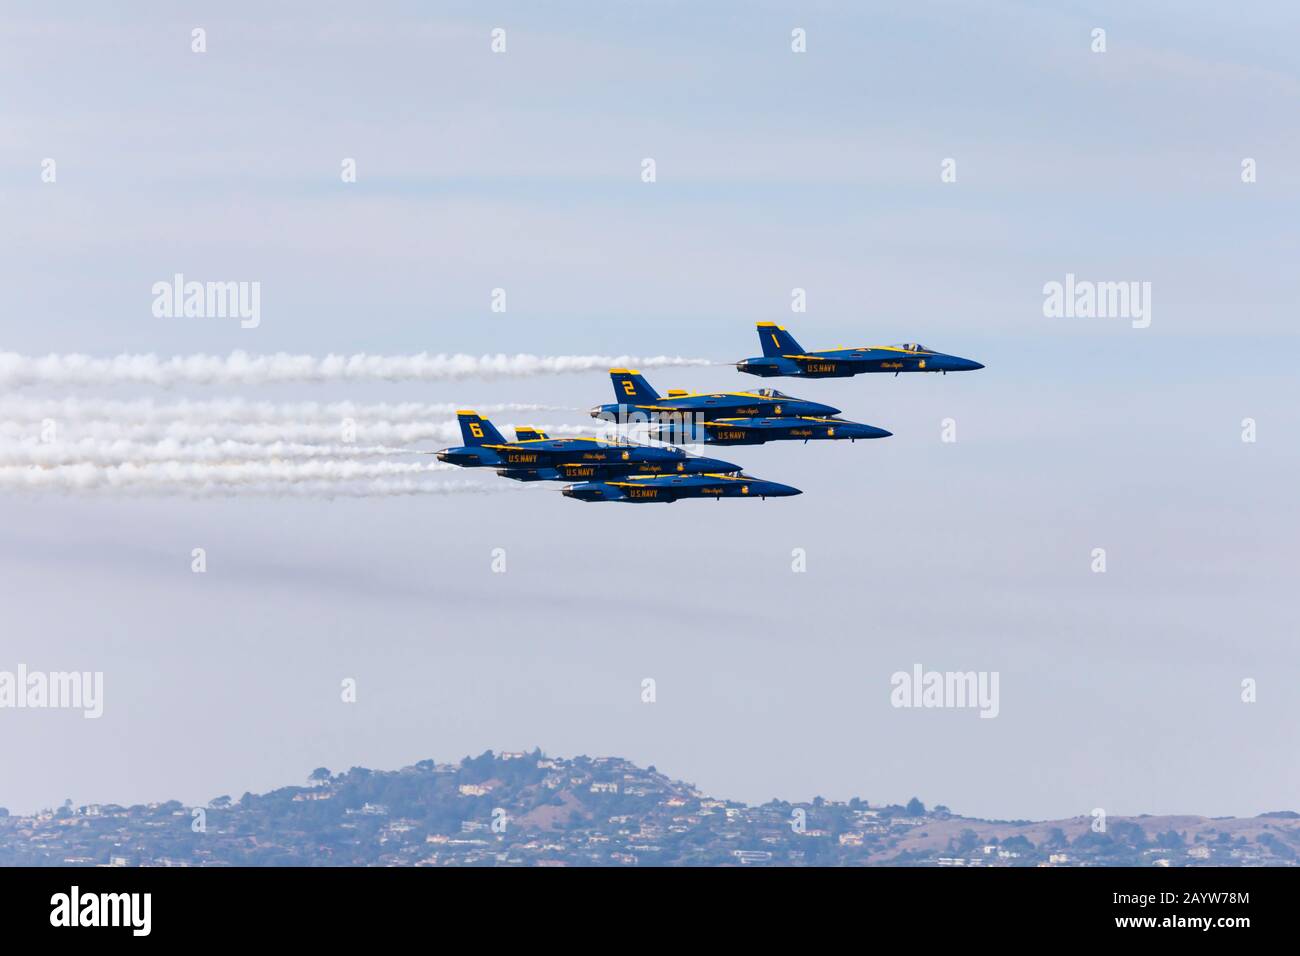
{"x": 475, "y": 430}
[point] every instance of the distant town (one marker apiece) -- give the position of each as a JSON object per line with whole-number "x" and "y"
{"x": 529, "y": 809}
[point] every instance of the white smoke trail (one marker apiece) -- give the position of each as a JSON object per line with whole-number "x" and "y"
{"x": 374, "y": 488}
{"x": 240, "y": 410}
{"x": 201, "y": 473}
{"x": 382, "y": 433}
{"x": 34, "y": 451}
{"x": 241, "y": 368}
{"x": 356, "y": 479}
{"x": 377, "y": 488}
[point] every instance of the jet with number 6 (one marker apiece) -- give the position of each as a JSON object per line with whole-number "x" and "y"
{"x": 535, "y": 457}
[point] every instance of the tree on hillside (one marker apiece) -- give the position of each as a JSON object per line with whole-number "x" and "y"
{"x": 480, "y": 768}
{"x": 1055, "y": 839}
{"x": 1170, "y": 839}
{"x": 1276, "y": 846}
{"x": 1088, "y": 840}
{"x": 964, "y": 842}
{"x": 1126, "y": 831}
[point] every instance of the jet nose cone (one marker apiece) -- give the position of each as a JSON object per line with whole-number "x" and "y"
{"x": 871, "y": 431}
{"x": 825, "y": 411}
{"x": 583, "y": 491}
{"x": 775, "y": 490}
{"x": 965, "y": 365}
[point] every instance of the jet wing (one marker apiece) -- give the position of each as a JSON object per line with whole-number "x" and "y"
{"x": 761, "y": 430}
{"x": 764, "y": 424}
{"x": 667, "y": 481}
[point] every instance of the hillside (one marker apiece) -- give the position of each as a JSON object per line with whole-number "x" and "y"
{"x": 530, "y": 809}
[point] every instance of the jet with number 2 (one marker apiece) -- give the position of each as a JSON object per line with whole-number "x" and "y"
{"x": 726, "y": 418}
{"x": 636, "y": 399}
{"x": 784, "y": 357}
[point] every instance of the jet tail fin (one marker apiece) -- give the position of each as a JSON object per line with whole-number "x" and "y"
{"x": 528, "y": 433}
{"x": 630, "y": 386}
{"x": 777, "y": 341}
{"x": 477, "y": 430}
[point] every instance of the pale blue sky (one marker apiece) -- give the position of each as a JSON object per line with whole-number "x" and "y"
{"x": 775, "y": 170}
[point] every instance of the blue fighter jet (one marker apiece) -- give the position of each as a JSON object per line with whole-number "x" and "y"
{"x": 535, "y": 457}
{"x": 784, "y": 357}
{"x": 637, "y": 401}
{"x": 725, "y": 418}
{"x": 759, "y": 431}
{"x": 670, "y": 488}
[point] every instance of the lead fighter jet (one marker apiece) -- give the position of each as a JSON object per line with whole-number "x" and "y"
{"x": 535, "y": 457}
{"x": 784, "y": 357}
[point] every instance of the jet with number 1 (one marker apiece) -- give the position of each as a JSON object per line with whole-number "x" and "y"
{"x": 784, "y": 357}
